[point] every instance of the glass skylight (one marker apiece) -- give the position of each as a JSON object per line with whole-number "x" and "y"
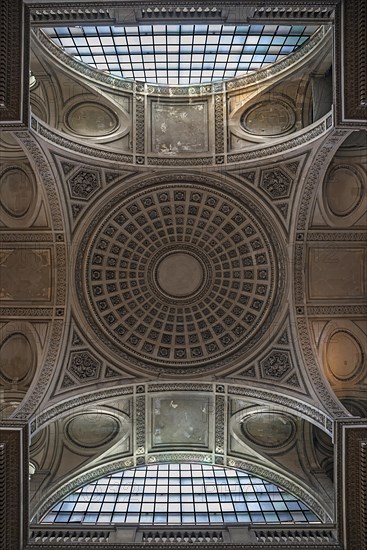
{"x": 180, "y": 54}
{"x": 180, "y": 494}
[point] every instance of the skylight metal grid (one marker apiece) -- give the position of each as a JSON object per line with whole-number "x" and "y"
{"x": 180, "y": 54}
{"x": 180, "y": 494}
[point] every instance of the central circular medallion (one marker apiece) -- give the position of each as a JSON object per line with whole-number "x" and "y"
{"x": 179, "y": 274}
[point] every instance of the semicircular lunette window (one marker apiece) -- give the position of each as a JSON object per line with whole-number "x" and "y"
{"x": 180, "y": 494}
{"x": 180, "y": 54}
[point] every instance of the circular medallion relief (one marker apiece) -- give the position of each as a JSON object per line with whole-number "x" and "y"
{"x": 176, "y": 275}
{"x": 344, "y": 355}
{"x": 17, "y": 358}
{"x": 268, "y": 429}
{"x": 16, "y": 192}
{"x": 179, "y": 274}
{"x": 91, "y": 120}
{"x": 92, "y": 429}
{"x": 269, "y": 118}
{"x": 343, "y": 190}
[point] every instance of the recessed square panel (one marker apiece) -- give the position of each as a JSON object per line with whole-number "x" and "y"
{"x": 178, "y": 421}
{"x": 179, "y": 128}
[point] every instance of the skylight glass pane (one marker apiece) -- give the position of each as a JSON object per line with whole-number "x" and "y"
{"x": 185, "y": 493}
{"x": 156, "y": 43}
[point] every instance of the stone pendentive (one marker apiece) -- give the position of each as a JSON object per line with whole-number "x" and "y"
{"x": 177, "y": 275}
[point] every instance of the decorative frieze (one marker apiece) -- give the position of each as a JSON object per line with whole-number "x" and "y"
{"x": 220, "y": 415}
{"x": 140, "y": 124}
{"x": 219, "y": 123}
{"x": 140, "y": 425}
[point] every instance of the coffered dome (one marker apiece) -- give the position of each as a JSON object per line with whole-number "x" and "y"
{"x": 179, "y": 274}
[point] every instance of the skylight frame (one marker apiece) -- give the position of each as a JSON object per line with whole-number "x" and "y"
{"x": 127, "y": 49}
{"x": 180, "y": 494}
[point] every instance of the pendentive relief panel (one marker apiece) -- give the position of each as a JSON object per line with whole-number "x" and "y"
{"x": 75, "y": 445}
{"x": 84, "y": 369}
{"x": 91, "y": 120}
{"x": 261, "y": 116}
{"x": 268, "y": 429}
{"x": 260, "y": 119}
{"x": 274, "y": 366}
{"x": 94, "y": 429}
{"x": 84, "y": 180}
{"x": 84, "y": 111}
{"x": 270, "y": 437}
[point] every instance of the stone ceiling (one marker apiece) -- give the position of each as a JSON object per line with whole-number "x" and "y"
{"x": 203, "y": 247}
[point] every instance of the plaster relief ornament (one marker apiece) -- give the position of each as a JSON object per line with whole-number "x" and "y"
{"x": 84, "y": 184}
{"x": 276, "y": 365}
{"x": 84, "y": 366}
{"x": 276, "y": 183}
{"x": 178, "y": 275}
